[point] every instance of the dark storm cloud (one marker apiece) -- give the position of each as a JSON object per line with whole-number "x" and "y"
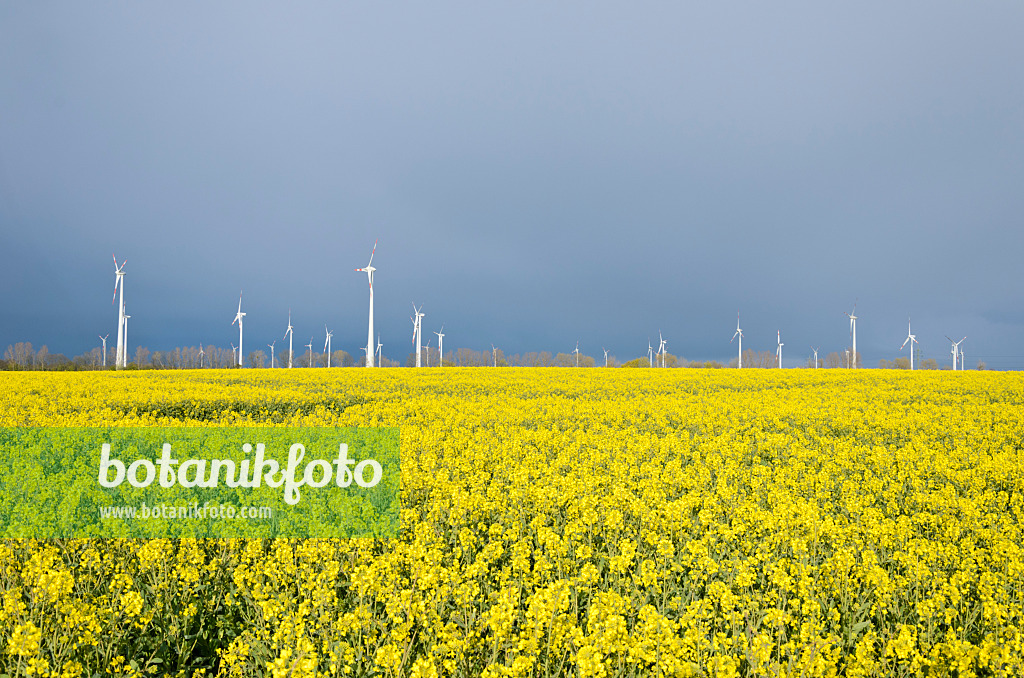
{"x": 536, "y": 173}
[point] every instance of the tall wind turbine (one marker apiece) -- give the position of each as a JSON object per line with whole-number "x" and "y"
{"x": 577, "y": 352}
{"x": 440, "y": 346}
{"x": 815, "y": 349}
{"x": 119, "y": 286}
{"x": 739, "y": 333}
{"x": 271, "y": 347}
{"x": 853, "y": 333}
{"x": 288, "y": 333}
{"x": 327, "y": 344}
{"x": 310, "y": 347}
{"x": 661, "y": 348}
{"x": 238, "y": 319}
{"x": 605, "y": 356}
{"x": 416, "y": 333}
{"x": 913, "y": 340}
{"x": 956, "y": 349}
{"x": 104, "y": 340}
{"x": 369, "y": 269}
{"x": 778, "y": 351}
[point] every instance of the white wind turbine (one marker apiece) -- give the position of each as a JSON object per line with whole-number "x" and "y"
{"x": 310, "y": 347}
{"x": 238, "y": 319}
{"x": 577, "y": 352}
{"x": 234, "y": 359}
{"x": 440, "y": 346}
{"x": 426, "y": 353}
{"x": 271, "y": 347}
{"x": 369, "y": 269}
{"x": 913, "y": 340}
{"x": 327, "y": 344}
{"x": 661, "y": 348}
{"x": 202, "y": 355}
{"x": 778, "y": 351}
{"x": 104, "y": 340}
{"x": 380, "y": 346}
{"x": 495, "y": 352}
{"x": 288, "y": 333}
{"x": 125, "y": 359}
{"x": 650, "y": 353}
{"x": 739, "y": 333}
{"x": 119, "y": 361}
{"x": 853, "y": 333}
{"x": 813, "y": 348}
{"x": 605, "y": 356}
{"x": 955, "y": 350}
{"x": 417, "y": 325}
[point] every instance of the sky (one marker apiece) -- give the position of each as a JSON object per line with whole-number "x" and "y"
{"x": 535, "y": 174}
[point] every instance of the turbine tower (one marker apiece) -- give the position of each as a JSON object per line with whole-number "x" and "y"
{"x": 327, "y": 344}
{"x": 778, "y": 351}
{"x": 577, "y": 352}
{"x": 202, "y": 355}
{"x": 955, "y": 350}
{"x": 104, "y": 340}
{"x": 234, "y": 359}
{"x": 913, "y": 340}
{"x": 238, "y": 319}
{"x": 310, "y": 347}
{"x": 369, "y": 269}
{"x": 379, "y": 347}
{"x": 271, "y": 347}
{"x": 739, "y": 333}
{"x": 494, "y": 351}
{"x": 119, "y": 286}
{"x": 650, "y": 353}
{"x": 440, "y": 346}
{"x": 288, "y": 333}
{"x": 661, "y": 348}
{"x": 417, "y": 326}
{"x": 853, "y": 334}
{"x": 815, "y": 349}
{"x": 124, "y": 362}
{"x": 605, "y": 356}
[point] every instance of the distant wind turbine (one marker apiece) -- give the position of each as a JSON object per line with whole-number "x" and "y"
{"x": 327, "y": 344}
{"x": 495, "y": 352}
{"x": 426, "y": 353}
{"x": 661, "y": 348}
{"x": 369, "y": 269}
{"x": 271, "y": 347}
{"x": 310, "y": 347}
{"x": 126, "y": 316}
{"x": 379, "y": 347}
{"x": 440, "y": 346}
{"x": 955, "y": 350}
{"x": 288, "y": 333}
{"x": 417, "y": 325}
{"x": 577, "y": 352}
{"x": 913, "y": 340}
{"x": 234, "y": 359}
{"x": 813, "y": 348}
{"x": 605, "y": 356}
{"x": 238, "y": 319}
{"x": 778, "y": 351}
{"x": 104, "y": 340}
{"x": 650, "y": 353}
{"x": 119, "y": 357}
{"x": 202, "y": 355}
{"x": 853, "y": 333}
{"x": 739, "y": 333}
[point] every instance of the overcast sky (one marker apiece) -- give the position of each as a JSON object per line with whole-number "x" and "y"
{"x": 536, "y": 173}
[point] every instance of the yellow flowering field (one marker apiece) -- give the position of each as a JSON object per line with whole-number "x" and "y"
{"x": 562, "y": 522}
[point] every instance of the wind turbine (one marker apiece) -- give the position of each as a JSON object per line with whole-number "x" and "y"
{"x": 650, "y": 353}
{"x": 327, "y": 345}
{"x": 778, "y": 351}
{"x": 739, "y": 333}
{"x": 379, "y": 347}
{"x": 202, "y": 355}
{"x": 853, "y": 333}
{"x": 955, "y": 350}
{"x": 369, "y": 269}
{"x": 288, "y": 333}
{"x": 119, "y": 286}
{"x": 310, "y": 347}
{"x": 440, "y": 346}
{"x": 104, "y": 340}
{"x": 238, "y": 319}
{"x": 605, "y": 356}
{"x": 234, "y": 360}
{"x": 913, "y": 340}
{"x": 577, "y": 352}
{"x": 426, "y": 351}
{"x": 813, "y": 348}
{"x": 495, "y": 352}
{"x": 661, "y": 348}
{"x": 124, "y": 362}
{"x": 416, "y": 333}
{"x": 271, "y": 347}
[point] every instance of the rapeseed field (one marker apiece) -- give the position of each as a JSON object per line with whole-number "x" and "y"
{"x": 562, "y": 522}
